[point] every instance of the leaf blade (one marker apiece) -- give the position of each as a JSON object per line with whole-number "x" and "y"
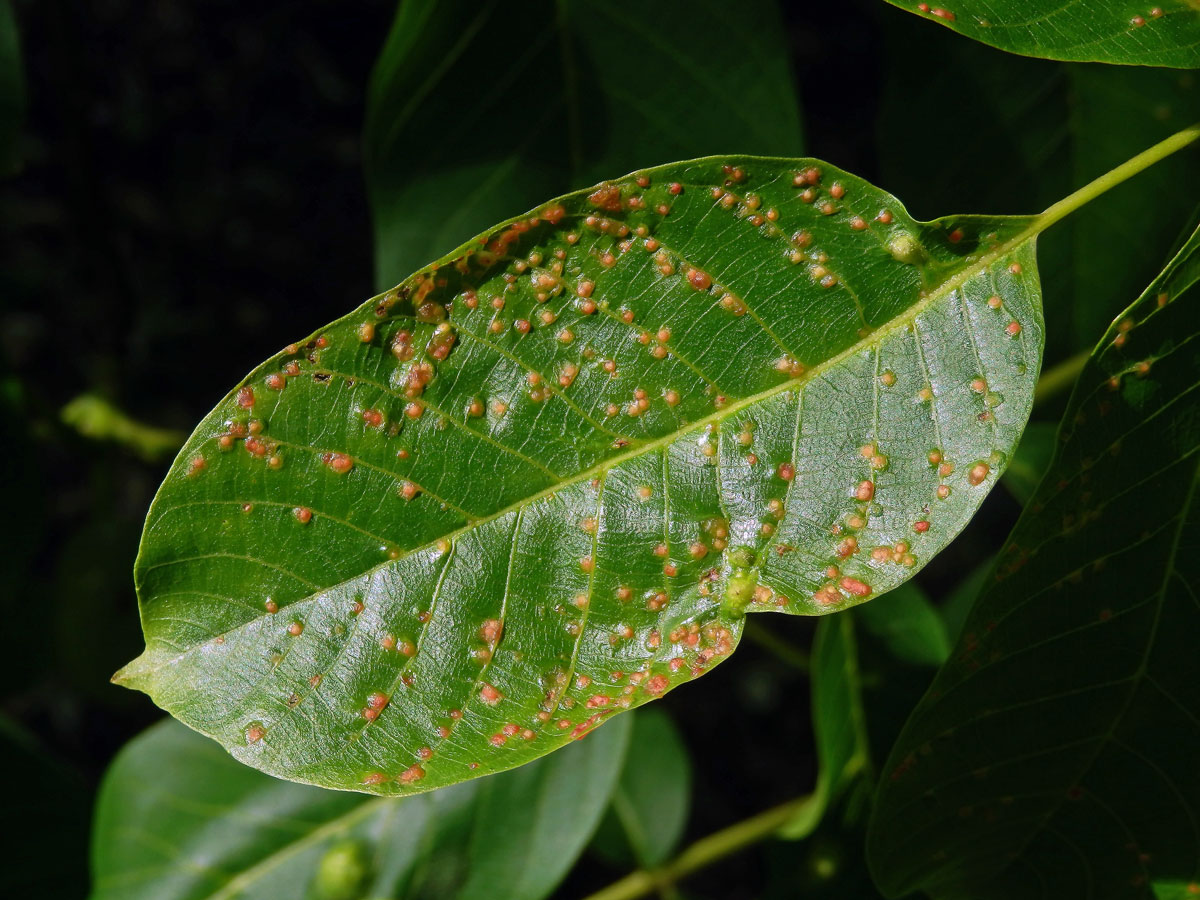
{"x": 306, "y": 595}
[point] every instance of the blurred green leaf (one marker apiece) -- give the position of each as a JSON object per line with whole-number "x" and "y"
{"x": 1031, "y": 460}
{"x": 12, "y": 90}
{"x": 906, "y": 628}
{"x": 46, "y": 804}
{"x": 476, "y": 112}
{"x": 596, "y": 436}
{"x": 178, "y": 818}
{"x": 1055, "y": 754}
{"x": 839, "y": 725}
{"x": 908, "y": 625}
{"x": 650, "y": 804}
{"x": 1167, "y": 34}
{"x": 1028, "y": 132}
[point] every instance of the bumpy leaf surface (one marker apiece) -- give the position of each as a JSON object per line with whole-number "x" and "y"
{"x": 203, "y": 827}
{"x": 1055, "y": 753}
{"x": 541, "y": 480}
{"x": 1113, "y": 31}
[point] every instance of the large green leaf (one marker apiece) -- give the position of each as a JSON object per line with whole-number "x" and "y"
{"x": 1127, "y": 32}
{"x": 540, "y": 481}
{"x": 177, "y": 819}
{"x": 1055, "y": 754}
{"x": 1050, "y": 127}
{"x": 473, "y": 114}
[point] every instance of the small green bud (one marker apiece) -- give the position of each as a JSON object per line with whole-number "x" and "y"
{"x": 906, "y": 249}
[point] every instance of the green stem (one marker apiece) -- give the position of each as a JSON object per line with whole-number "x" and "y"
{"x": 1060, "y": 378}
{"x": 704, "y": 852}
{"x": 1111, "y": 179}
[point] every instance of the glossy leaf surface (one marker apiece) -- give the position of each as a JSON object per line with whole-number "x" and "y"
{"x": 207, "y": 827}
{"x": 619, "y": 86}
{"x": 1109, "y": 31}
{"x": 1029, "y": 131}
{"x": 540, "y": 481}
{"x": 1054, "y": 755}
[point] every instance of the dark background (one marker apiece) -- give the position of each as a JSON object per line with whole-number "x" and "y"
{"x": 191, "y": 197}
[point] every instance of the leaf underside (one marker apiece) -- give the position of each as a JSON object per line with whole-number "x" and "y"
{"x": 539, "y": 482}
{"x": 1126, "y": 32}
{"x": 1055, "y": 753}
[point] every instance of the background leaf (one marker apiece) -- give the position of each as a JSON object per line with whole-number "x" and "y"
{"x": 583, "y": 434}
{"x": 1054, "y": 754}
{"x": 650, "y": 803}
{"x": 1025, "y": 132}
{"x": 458, "y": 136}
{"x": 906, "y": 631}
{"x": 1166, "y": 34}
{"x": 207, "y": 827}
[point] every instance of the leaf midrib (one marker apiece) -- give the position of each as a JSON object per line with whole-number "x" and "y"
{"x": 1036, "y": 225}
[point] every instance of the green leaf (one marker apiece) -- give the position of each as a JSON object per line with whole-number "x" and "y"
{"x": 178, "y": 818}
{"x": 540, "y": 481}
{"x": 839, "y": 724}
{"x": 906, "y": 627}
{"x": 650, "y": 804}
{"x": 474, "y": 114}
{"x": 1166, "y": 34}
{"x": 1032, "y": 131}
{"x": 12, "y": 90}
{"x": 1054, "y": 754}
{"x": 909, "y": 626}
